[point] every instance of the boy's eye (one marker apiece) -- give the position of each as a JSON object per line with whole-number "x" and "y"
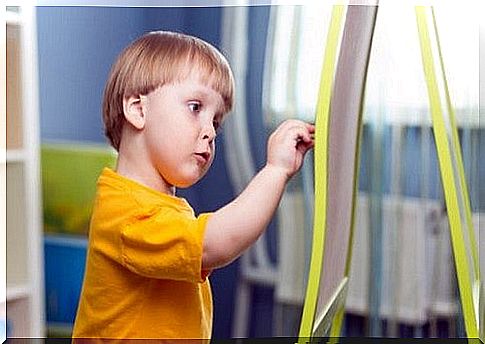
{"x": 194, "y": 106}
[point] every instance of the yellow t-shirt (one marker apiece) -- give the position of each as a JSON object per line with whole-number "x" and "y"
{"x": 143, "y": 274}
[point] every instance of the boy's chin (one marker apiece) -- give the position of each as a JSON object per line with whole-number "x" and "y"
{"x": 187, "y": 182}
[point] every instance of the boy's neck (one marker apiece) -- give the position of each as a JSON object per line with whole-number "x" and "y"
{"x": 148, "y": 181}
{"x": 154, "y": 183}
{"x": 148, "y": 177}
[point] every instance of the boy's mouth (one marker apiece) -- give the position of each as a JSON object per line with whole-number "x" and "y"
{"x": 203, "y": 156}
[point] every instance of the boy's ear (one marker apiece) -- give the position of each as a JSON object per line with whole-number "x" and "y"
{"x": 134, "y": 111}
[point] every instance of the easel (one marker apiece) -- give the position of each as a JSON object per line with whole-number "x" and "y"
{"x": 324, "y": 303}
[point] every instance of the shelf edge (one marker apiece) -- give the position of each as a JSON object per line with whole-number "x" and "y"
{"x": 15, "y": 155}
{"x": 17, "y": 292}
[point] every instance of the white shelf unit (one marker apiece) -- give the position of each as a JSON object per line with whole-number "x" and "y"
{"x": 20, "y": 168}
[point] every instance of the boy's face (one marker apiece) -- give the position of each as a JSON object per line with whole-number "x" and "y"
{"x": 180, "y": 129}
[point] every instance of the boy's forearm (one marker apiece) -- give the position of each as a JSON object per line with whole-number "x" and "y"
{"x": 233, "y": 228}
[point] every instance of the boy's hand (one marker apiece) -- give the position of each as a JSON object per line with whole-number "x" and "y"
{"x": 288, "y": 144}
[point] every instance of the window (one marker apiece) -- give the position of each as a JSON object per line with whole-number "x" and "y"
{"x": 395, "y": 81}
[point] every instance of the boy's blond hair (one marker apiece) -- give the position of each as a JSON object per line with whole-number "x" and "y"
{"x": 155, "y": 59}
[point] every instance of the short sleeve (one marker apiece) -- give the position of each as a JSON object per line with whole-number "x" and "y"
{"x": 166, "y": 245}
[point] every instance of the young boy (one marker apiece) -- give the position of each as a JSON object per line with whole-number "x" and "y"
{"x": 149, "y": 256}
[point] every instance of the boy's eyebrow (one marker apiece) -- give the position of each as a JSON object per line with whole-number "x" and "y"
{"x": 200, "y": 91}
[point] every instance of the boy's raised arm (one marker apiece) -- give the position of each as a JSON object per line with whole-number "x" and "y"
{"x": 234, "y": 227}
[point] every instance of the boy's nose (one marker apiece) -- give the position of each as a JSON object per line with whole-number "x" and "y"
{"x": 208, "y": 133}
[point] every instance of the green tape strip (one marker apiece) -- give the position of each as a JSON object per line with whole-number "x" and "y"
{"x": 337, "y": 321}
{"x": 321, "y": 160}
{"x": 459, "y": 160}
{"x": 447, "y": 176}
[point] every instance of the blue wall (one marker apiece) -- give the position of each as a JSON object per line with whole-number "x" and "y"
{"x": 76, "y": 48}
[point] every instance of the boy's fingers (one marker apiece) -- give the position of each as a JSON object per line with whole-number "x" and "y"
{"x": 304, "y": 147}
{"x": 302, "y": 136}
{"x": 310, "y": 126}
{"x": 299, "y": 132}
